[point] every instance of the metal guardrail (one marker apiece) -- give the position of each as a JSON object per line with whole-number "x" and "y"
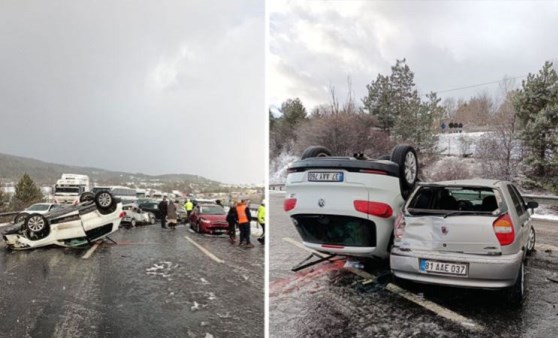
{"x": 8, "y": 214}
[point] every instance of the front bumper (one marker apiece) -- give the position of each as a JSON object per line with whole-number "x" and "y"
{"x": 486, "y": 272}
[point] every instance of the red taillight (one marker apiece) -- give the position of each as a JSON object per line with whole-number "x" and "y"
{"x": 369, "y": 171}
{"x": 122, "y": 214}
{"x": 399, "y": 226}
{"x": 374, "y": 208}
{"x": 289, "y": 204}
{"x": 503, "y": 228}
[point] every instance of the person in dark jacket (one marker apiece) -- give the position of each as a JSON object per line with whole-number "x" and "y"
{"x": 231, "y": 219}
{"x": 163, "y": 210}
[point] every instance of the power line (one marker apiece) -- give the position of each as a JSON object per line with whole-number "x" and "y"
{"x": 478, "y": 85}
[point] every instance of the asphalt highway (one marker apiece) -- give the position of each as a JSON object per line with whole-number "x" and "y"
{"x": 153, "y": 283}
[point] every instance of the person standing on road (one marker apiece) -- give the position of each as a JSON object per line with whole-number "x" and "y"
{"x": 188, "y": 206}
{"x": 261, "y": 221}
{"x": 244, "y": 217}
{"x": 231, "y": 219}
{"x": 163, "y": 210}
{"x": 172, "y": 215}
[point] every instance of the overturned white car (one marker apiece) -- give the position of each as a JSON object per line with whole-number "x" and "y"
{"x": 95, "y": 217}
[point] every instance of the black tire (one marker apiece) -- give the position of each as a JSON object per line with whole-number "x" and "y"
{"x": 406, "y": 157}
{"x": 530, "y": 247}
{"x": 37, "y": 224}
{"x": 105, "y": 202}
{"x": 86, "y": 197}
{"x": 385, "y": 157}
{"x": 315, "y": 151}
{"x": 516, "y": 292}
{"x": 20, "y": 217}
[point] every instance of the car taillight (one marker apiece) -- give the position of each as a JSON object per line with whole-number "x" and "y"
{"x": 374, "y": 208}
{"x": 503, "y": 228}
{"x": 399, "y": 226}
{"x": 122, "y": 214}
{"x": 289, "y": 204}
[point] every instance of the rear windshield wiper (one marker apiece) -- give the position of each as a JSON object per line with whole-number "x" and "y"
{"x": 467, "y": 212}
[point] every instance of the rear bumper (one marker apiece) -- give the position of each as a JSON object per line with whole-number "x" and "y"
{"x": 486, "y": 272}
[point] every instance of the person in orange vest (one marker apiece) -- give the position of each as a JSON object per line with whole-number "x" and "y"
{"x": 243, "y": 219}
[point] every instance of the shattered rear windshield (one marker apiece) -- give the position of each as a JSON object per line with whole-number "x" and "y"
{"x": 445, "y": 199}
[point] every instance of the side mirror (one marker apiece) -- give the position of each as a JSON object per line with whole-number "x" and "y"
{"x": 532, "y": 205}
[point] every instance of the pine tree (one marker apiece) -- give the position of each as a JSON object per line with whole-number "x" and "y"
{"x": 537, "y": 109}
{"x": 26, "y": 193}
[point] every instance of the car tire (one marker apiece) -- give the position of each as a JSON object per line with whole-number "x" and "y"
{"x": 151, "y": 219}
{"x": 86, "y": 197}
{"x": 133, "y": 222}
{"x": 315, "y": 151}
{"x": 105, "y": 202}
{"x": 530, "y": 247}
{"x": 37, "y": 226}
{"x": 20, "y": 217}
{"x": 516, "y": 292}
{"x": 406, "y": 157}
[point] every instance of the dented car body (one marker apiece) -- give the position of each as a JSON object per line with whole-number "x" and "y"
{"x": 94, "y": 218}
{"x": 470, "y": 233}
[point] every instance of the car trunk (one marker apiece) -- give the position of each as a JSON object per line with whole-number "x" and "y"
{"x": 459, "y": 234}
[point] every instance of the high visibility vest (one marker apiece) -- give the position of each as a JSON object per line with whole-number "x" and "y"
{"x": 241, "y": 214}
{"x": 189, "y": 206}
{"x": 261, "y": 214}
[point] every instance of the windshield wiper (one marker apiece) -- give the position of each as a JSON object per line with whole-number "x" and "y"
{"x": 467, "y": 212}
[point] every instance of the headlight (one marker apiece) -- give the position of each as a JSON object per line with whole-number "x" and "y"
{"x": 205, "y": 221}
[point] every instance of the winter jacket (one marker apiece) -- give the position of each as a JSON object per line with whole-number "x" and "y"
{"x": 231, "y": 216}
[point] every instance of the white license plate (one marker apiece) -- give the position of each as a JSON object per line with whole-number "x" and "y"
{"x": 325, "y": 176}
{"x": 429, "y": 266}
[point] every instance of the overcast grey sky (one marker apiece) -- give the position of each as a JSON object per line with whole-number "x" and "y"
{"x": 139, "y": 86}
{"x": 316, "y": 44}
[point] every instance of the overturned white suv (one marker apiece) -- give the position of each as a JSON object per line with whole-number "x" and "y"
{"x": 95, "y": 217}
{"x": 347, "y": 205}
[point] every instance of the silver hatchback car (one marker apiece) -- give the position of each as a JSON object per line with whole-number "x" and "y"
{"x": 469, "y": 233}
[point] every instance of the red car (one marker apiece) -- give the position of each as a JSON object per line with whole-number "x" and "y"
{"x": 209, "y": 218}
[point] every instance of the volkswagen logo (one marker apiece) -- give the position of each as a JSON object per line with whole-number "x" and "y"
{"x": 321, "y": 202}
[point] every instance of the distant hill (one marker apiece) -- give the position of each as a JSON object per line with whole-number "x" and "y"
{"x": 44, "y": 173}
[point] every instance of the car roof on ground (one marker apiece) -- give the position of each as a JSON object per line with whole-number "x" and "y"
{"x": 472, "y": 182}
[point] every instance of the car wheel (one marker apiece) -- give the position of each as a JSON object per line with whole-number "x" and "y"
{"x": 516, "y": 292}
{"x": 406, "y": 157}
{"x": 315, "y": 151}
{"x": 133, "y": 222}
{"x": 531, "y": 242}
{"x": 20, "y": 217}
{"x": 86, "y": 197}
{"x": 104, "y": 202}
{"x": 152, "y": 220}
{"x": 37, "y": 226}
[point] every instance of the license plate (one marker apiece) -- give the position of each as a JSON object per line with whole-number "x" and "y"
{"x": 325, "y": 177}
{"x": 428, "y": 266}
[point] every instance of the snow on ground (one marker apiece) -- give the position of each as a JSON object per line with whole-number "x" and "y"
{"x": 278, "y": 167}
{"x": 455, "y": 144}
{"x": 546, "y": 213}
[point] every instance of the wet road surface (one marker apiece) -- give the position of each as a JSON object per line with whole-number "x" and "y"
{"x": 154, "y": 283}
{"x": 328, "y": 300}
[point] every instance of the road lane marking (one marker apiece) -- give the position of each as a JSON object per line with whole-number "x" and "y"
{"x": 429, "y": 305}
{"x": 91, "y": 250}
{"x": 205, "y": 251}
